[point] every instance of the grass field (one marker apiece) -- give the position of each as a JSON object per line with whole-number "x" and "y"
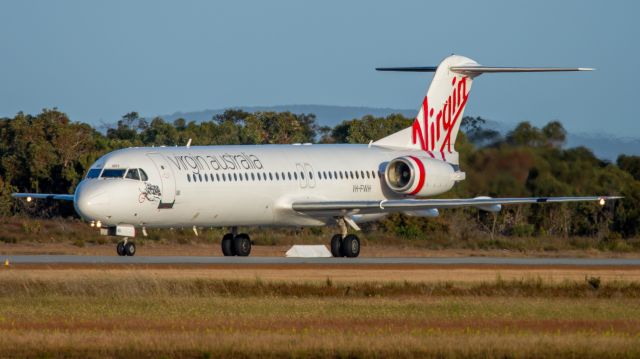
{"x": 155, "y": 312}
{"x": 22, "y": 235}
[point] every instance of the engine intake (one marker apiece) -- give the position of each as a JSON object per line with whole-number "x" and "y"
{"x": 415, "y": 176}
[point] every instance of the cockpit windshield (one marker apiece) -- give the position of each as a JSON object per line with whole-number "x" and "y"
{"x": 94, "y": 173}
{"x": 137, "y": 174}
{"x": 113, "y": 173}
{"x": 133, "y": 174}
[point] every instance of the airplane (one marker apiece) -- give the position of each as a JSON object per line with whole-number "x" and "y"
{"x": 296, "y": 185}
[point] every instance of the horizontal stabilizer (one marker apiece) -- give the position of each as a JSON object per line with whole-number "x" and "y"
{"x": 409, "y": 69}
{"x": 476, "y": 70}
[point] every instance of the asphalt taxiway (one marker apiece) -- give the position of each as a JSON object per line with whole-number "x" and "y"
{"x": 439, "y": 261}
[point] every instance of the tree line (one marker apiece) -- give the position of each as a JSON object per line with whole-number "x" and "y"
{"x": 49, "y": 153}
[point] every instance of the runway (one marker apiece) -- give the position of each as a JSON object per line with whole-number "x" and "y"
{"x": 235, "y": 261}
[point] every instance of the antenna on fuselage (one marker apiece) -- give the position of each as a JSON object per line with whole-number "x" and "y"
{"x": 189, "y": 143}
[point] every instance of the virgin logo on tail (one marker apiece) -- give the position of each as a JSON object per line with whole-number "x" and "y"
{"x": 431, "y": 128}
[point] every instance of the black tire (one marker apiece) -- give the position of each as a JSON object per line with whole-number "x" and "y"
{"x": 120, "y": 248}
{"x": 130, "y": 249}
{"x": 227, "y": 245}
{"x": 242, "y": 245}
{"x": 351, "y": 246}
{"x": 336, "y": 245}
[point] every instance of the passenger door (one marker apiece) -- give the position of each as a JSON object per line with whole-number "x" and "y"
{"x": 167, "y": 179}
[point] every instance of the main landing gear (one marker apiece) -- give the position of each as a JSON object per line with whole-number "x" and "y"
{"x": 344, "y": 244}
{"x": 349, "y": 246}
{"x": 126, "y": 248}
{"x": 236, "y": 244}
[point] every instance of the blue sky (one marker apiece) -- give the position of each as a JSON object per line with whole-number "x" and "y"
{"x": 97, "y": 60}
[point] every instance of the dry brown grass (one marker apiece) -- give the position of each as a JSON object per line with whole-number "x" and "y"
{"x": 319, "y": 273}
{"x": 162, "y": 312}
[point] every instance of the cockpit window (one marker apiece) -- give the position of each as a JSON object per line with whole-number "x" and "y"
{"x": 133, "y": 174}
{"x": 94, "y": 173}
{"x": 113, "y": 173}
{"x": 143, "y": 175}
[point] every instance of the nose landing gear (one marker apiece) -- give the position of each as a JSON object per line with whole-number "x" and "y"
{"x": 126, "y": 248}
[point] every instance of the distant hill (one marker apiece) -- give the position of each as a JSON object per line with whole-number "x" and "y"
{"x": 605, "y": 147}
{"x": 325, "y": 115}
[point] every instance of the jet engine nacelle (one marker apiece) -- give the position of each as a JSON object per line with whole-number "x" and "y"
{"x": 419, "y": 176}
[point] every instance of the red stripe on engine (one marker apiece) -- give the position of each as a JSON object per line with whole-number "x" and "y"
{"x": 422, "y": 175}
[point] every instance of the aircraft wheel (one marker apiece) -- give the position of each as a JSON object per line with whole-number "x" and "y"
{"x": 129, "y": 249}
{"x": 351, "y": 246}
{"x": 227, "y": 245}
{"x": 336, "y": 244}
{"x": 120, "y": 248}
{"x": 242, "y": 245}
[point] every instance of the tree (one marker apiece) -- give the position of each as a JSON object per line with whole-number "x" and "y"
{"x": 631, "y": 164}
{"x": 477, "y": 133}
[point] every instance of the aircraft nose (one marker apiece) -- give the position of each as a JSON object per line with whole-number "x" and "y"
{"x": 90, "y": 201}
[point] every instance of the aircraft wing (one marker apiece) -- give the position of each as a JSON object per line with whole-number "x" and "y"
{"x": 30, "y": 196}
{"x": 342, "y": 208}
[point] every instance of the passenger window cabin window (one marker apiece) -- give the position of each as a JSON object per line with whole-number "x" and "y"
{"x": 301, "y": 175}
{"x": 113, "y": 173}
{"x": 235, "y": 177}
{"x": 253, "y": 178}
{"x": 362, "y": 174}
{"x": 218, "y": 177}
{"x": 188, "y": 177}
{"x": 270, "y": 176}
{"x": 94, "y": 173}
{"x": 357, "y": 175}
{"x": 310, "y": 175}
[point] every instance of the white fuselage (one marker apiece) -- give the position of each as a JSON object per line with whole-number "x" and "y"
{"x": 252, "y": 185}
